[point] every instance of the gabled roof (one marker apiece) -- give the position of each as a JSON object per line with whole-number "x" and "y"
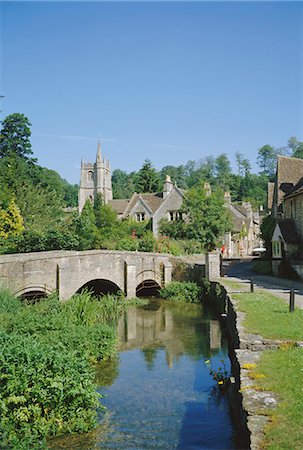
{"x": 289, "y": 231}
{"x": 289, "y": 172}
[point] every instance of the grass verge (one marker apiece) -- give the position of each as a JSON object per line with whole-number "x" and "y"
{"x": 268, "y": 316}
{"x": 279, "y": 371}
{"x": 283, "y": 370}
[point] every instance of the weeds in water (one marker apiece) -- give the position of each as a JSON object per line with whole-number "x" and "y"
{"x": 219, "y": 375}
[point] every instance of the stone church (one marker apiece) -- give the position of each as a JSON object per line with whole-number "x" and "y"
{"x": 96, "y": 178}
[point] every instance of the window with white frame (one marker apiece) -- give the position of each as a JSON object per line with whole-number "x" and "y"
{"x": 174, "y": 215}
{"x": 140, "y": 217}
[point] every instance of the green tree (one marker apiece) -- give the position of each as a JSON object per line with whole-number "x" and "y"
{"x": 11, "y": 221}
{"x": 14, "y": 137}
{"x": 85, "y": 228}
{"x": 243, "y": 164}
{"x": 223, "y": 171}
{"x": 267, "y": 159}
{"x": 296, "y": 147}
{"x": 147, "y": 179}
{"x": 207, "y": 218}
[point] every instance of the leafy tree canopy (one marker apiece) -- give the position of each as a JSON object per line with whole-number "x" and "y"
{"x": 14, "y": 137}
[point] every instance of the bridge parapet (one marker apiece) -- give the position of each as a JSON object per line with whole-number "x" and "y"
{"x": 67, "y": 271}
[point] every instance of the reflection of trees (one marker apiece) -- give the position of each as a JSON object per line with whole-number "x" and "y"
{"x": 107, "y": 372}
{"x": 149, "y": 356}
{"x": 179, "y": 329}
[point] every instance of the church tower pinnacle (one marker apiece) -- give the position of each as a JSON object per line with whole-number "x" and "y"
{"x": 95, "y": 179}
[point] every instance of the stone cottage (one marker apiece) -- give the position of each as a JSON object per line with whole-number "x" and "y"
{"x": 285, "y": 199}
{"x": 96, "y": 178}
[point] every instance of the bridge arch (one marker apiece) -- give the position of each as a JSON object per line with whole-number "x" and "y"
{"x": 148, "y": 288}
{"x": 100, "y": 286}
{"x": 33, "y": 293}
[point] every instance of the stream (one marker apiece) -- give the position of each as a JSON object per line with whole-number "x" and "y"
{"x": 159, "y": 394}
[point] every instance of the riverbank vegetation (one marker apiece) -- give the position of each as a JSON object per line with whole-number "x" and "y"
{"x": 278, "y": 371}
{"x": 48, "y": 351}
{"x": 182, "y": 291}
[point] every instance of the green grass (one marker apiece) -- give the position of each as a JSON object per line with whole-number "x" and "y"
{"x": 283, "y": 370}
{"x": 233, "y": 285}
{"x": 279, "y": 371}
{"x": 268, "y": 316}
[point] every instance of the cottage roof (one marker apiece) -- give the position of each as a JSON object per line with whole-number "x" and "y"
{"x": 289, "y": 231}
{"x": 289, "y": 172}
{"x": 119, "y": 205}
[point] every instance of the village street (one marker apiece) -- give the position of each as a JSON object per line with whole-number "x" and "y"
{"x": 242, "y": 272}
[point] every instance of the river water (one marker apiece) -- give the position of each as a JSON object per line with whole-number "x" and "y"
{"x": 160, "y": 394}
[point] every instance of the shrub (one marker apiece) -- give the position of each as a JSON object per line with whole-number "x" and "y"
{"x": 45, "y": 390}
{"x": 147, "y": 243}
{"x": 128, "y": 243}
{"x": 180, "y": 291}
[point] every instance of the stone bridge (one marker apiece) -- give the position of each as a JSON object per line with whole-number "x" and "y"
{"x": 67, "y": 272}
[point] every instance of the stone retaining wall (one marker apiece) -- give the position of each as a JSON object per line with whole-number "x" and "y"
{"x": 246, "y": 349}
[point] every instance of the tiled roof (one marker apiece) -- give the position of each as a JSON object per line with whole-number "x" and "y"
{"x": 289, "y": 172}
{"x": 119, "y": 205}
{"x": 289, "y": 231}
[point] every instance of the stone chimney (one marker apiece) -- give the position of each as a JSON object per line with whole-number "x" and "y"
{"x": 227, "y": 198}
{"x": 207, "y": 189}
{"x": 167, "y": 186}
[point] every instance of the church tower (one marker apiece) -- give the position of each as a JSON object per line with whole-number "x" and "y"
{"x": 95, "y": 179}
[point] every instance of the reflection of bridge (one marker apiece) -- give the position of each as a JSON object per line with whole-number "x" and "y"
{"x": 68, "y": 272}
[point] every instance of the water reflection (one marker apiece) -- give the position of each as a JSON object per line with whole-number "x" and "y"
{"x": 171, "y": 327}
{"x": 161, "y": 394}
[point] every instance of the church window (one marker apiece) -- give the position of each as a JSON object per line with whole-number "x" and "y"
{"x": 90, "y": 176}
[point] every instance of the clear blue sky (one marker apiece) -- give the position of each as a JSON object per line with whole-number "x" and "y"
{"x": 171, "y": 82}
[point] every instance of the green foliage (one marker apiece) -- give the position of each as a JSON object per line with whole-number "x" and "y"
{"x": 267, "y": 228}
{"x": 128, "y": 243}
{"x": 182, "y": 291}
{"x": 147, "y": 243}
{"x": 267, "y": 158}
{"x": 146, "y": 180}
{"x": 207, "y": 219}
{"x": 14, "y": 136}
{"x": 47, "y": 385}
{"x": 11, "y": 221}
{"x": 45, "y": 390}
